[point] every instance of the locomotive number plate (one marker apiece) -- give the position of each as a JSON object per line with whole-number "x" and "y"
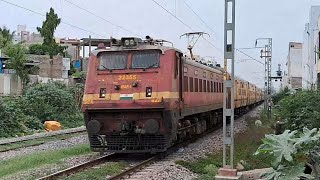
{"x": 127, "y": 77}
{"x": 126, "y": 86}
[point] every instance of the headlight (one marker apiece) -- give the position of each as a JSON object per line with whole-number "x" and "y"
{"x": 132, "y": 43}
{"x": 148, "y": 91}
{"x": 103, "y": 92}
{"x": 127, "y": 42}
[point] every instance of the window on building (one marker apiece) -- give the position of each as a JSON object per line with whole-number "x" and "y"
{"x": 211, "y": 86}
{"x": 204, "y": 86}
{"x": 191, "y": 84}
{"x": 185, "y": 81}
{"x": 208, "y": 86}
{"x": 196, "y": 86}
{"x": 200, "y": 85}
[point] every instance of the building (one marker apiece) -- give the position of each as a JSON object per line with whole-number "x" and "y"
{"x": 293, "y": 76}
{"x": 73, "y": 48}
{"x": 311, "y": 47}
{"x": 22, "y": 35}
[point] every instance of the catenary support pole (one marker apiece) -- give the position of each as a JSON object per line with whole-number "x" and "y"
{"x": 228, "y": 85}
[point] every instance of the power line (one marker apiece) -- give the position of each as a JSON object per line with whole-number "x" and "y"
{"x": 173, "y": 15}
{"x": 66, "y": 23}
{"x": 215, "y": 32}
{"x": 102, "y": 18}
{"x": 186, "y": 24}
{"x": 249, "y": 56}
{"x": 206, "y": 24}
{"x": 194, "y": 12}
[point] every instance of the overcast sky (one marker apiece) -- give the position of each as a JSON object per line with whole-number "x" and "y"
{"x": 283, "y": 20}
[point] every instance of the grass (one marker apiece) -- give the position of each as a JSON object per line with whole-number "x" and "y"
{"x": 246, "y": 144}
{"x": 98, "y": 173}
{"x": 35, "y": 160}
{"x": 36, "y": 141}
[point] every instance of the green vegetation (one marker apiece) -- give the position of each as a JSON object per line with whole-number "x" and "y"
{"x": 35, "y": 160}
{"x": 291, "y": 151}
{"x": 36, "y": 141}
{"x": 41, "y": 102}
{"x": 47, "y": 32}
{"x": 245, "y": 146}
{"x": 17, "y": 54}
{"x": 297, "y": 146}
{"x": 5, "y": 37}
{"x": 280, "y": 95}
{"x": 98, "y": 173}
{"x": 299, "y": 110}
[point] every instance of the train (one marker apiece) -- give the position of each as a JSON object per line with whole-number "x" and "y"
{"x": 144, "y": 96}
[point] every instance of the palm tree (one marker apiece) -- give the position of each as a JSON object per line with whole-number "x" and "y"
{"x": 6, "y": 36}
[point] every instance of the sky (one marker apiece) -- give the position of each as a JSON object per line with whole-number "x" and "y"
{"x": 281, "y": 20}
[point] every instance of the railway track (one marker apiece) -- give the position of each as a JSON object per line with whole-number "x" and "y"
{"x": 81, "y": 167}
{"x": 39, "y": 136}
{"x": 136, "y": 167}
{"x": 115, "y": 157}
{"x": 127, "y": 173}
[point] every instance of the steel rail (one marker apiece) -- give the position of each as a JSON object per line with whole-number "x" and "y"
{"x": 136, "y": 167}
{"x": 80, "y": 167}
{"x": 42, "y": 135}
{"x": 169, "y": 151}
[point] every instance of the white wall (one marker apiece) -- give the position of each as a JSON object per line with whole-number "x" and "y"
{"x": 295, "y": 60}
{"x": 306, "y": 68}
{"x": 10, "y": 84}
{"x": 312, "y": 36}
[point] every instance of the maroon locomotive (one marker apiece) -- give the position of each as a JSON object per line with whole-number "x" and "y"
{"x": 143, "y": 96}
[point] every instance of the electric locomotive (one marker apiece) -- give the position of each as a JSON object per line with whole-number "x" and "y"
{"x": 142, "y": 96}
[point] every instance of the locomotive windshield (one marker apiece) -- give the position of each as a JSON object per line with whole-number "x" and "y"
{"x": 147, "y": 59}
{"x": 110, "y": 61}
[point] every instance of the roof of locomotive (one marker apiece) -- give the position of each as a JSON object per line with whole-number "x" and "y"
{"x": 141, "y": 46}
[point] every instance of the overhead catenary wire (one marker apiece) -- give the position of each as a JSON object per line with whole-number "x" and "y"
{"x": 250, "y": 56}
{"x": 194, "y": 12}
{"x": 63, "y": 22}
{"x": 102, "y": 18}
{"x": 177, "y": 18}
{"x": 206, "y": 24}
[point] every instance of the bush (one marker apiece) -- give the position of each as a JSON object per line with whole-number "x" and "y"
{"x": 291, "y": 150}
{"x": 280, "y": 95}
{"x": 13, "y": 120}
{"x": 37, "y": 49}
{"x": 41, "y": 102}
{"x": 301, "y": 109}
{"x": 52, "y": 101}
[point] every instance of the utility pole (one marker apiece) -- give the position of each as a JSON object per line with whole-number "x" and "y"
{"x": 228, "y": 85}
{"x": 267, "y": 54}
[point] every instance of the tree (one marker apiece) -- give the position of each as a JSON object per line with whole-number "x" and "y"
{"x": 17, "y": 54}
{"x": 47, "y": 32}
{"x": 5, "y": 37}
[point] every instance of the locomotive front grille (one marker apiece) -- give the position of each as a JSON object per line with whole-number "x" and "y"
{"x": 130, "y": 143}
